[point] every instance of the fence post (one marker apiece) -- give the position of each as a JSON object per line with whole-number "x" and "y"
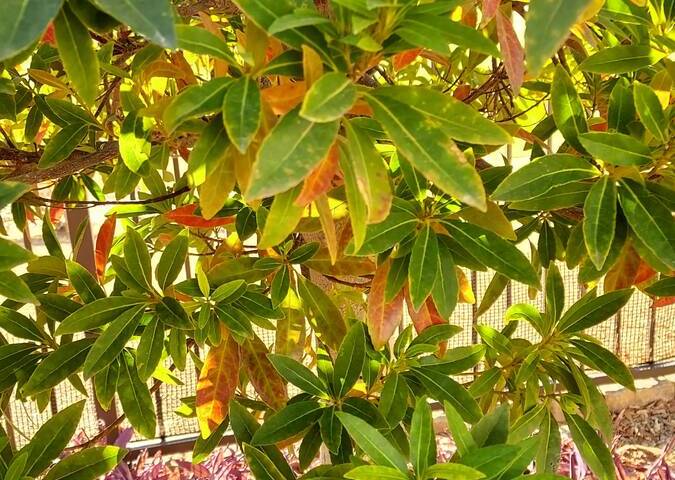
{"x": 84, "y": 255}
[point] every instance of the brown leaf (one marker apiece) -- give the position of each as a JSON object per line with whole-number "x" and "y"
{"x": 346, "y": 265}
{"x": 425, "y": 317}
{"x": 217, "y": 383}
{"x": 512, "y": 51}
{"x": 104, "y": 241}
{"x": 320, "y": 180}
{"x": 624, "y": 271}
{"x": 383, "y": 318}
{"x": 261, "y": 373}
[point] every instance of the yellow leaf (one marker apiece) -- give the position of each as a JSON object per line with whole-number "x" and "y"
{"x": 493, "y": 219}
{"x": 328, "y": 226}
{"x": 213, "y": 192}
{"x": 312, "y": 65}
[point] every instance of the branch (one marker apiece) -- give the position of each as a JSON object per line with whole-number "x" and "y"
{"x": 91, "y": 203}
{"x": 76, "y": 162}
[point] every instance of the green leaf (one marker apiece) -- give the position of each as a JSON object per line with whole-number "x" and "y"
{"x": 384, "y": 235}
{"x": 201, "y": 41}
{"x": 11, "y": 191}
{"x": 329, "y": 98}
{"x": 134, "y": 140}
{"x": 172, "y": 260}
{"x": 331, "y": 429}
{"x": 23, "y": 21}
{"x": 260, "y": 464}
{"x": 605, "y": 361}
{"x": 112, "y": 341}
{"x": 135, "y": 398}
{"x": 20, "y": 326}
{"x": 593, "y": 450}
{"x": 429, "y": 148}
{"x": 563, "y": 196}
{"x": 77, "y": 54}
{"x": 62, "y": 144}
{"x": 12, "y": 254}
{"x": 88, "y": 464}
{"x": 493, "y": 461}
{"x": 423, "y": 266}
{"x": 368, "y": 472}
{"x": 151, "y": 18}
{"x": 437, "y": 33}
{"x": 548, "y": 453}
{"x": 289, "y": 153}
{"x": 621, "y": 59}
{"x": 96, "y": 314}
{"x": 616, "y": 148}
{"x": 372, "y": 442}
{"x": 493, "y": 251}
{"x": 555, "y": 294}
{"x": 422, "y": 437}
{"x": 84, "y": 282}
{"x": 105, "y": 384}
{"x": 370, "y": 181}
{"x": 665, "y": 287}
{"x": 349, "y": 360}
{"x": 444, "y": 388}
{"x": 621, "y": 110}
{"x": 599, "y": 223}
{"x": 204, "y": 446}
{"x": 195, "y": 101}
{"x": 649, "y": 219}
{"x": 283, "y": 218}
{"x": 460, "y": 433}
{"x": 543, "y": 174}
{"x": 172, "y": 313}
{"x": 568, "y": 112}
{"x": 299, "y": 18}
{"x": 51, "y": 439}
{"x": 650, "y": 112}
{"x": 547, "y": 26}
{"x": 585, "y": 314}
{"x": 296, "y": 373}
{"x": 66, "y": 360}
{"x": 242, "y": 112}
{"x": 15, "y": 288}
{"x": 137, "y": 258}
{"x": 327, "y": 319}
{"x": 452, "y": 471}
{"x": 287, "y": 422}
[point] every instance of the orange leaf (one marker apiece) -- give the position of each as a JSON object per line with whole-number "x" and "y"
{"x": 56, "y": 212}
{"x": 320, "y": 180}
{"x": 425, "y": 317}
{"x": 663, "y": 302}
{"x": 104, "y": 241}
{"x": 598, "y": 127}
{"x": 217, "y": 383}
{"x": 512, "y": 51}
{"x": 644, "y": 273}
{"x": 185, "y": 215}
{"x": 382, "y": 318}
{"x": 284, "y": 98}
{"x": 405, "y": 58}
{"x": 462, "y": 91}
{"x": 264, "y": 378}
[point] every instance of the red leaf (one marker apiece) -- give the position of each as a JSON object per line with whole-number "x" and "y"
{"x": 104, "y": 241}
{"x": 320, "y": 180}
{"x": 489, "y": 9}
{"x": 185, "y": 215}
{"x": 512, "y": 51}
{"x": 663, "y": 302}
{"x": 382, "y": 318}
{"x": 405, "y": 58}
{"x": 644, "y": 273}
{"x": 217, "y": 383}
{"x": 48, "y": 36}
{"x": 462, "y": 91}
{"x": 264, "y": 378}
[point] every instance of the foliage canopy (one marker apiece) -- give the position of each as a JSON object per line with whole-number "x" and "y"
{"x": 229, "y": 134}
